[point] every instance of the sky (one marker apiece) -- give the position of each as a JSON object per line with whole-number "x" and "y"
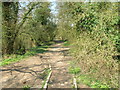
{"x": 53, "y": 7}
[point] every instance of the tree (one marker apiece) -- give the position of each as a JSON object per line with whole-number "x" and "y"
{"x": 10, "y": 12}
{"x": 33, "y": 21}
{"x": 92, "y": 31}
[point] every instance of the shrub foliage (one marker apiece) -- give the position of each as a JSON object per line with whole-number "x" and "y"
{"x": 92, "y": 30}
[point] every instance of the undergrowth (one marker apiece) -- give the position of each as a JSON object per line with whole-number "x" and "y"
{"x": 66, "y": 43}
{"x": 85, "y": 79}
{"x": 96, "y": 60}
{"x": 94, "y": 39}
{"x": 94, "y": 57}
{"x": 26, "y": 87}
{"x": 30, "y": 52}
{"x": 91, "y": 82}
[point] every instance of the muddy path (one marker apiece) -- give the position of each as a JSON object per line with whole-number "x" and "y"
{"x": 28, "y": 72}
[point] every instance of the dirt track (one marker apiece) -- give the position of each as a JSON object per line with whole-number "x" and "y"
{"x": 28, "y": 71}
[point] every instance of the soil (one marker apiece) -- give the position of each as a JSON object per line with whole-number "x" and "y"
{"x": 28, "y": 72}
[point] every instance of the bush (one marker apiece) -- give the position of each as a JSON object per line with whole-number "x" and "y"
{"x": 94, "y": 39}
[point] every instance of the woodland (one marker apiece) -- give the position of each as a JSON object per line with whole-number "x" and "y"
{"x": 89, "y": 29}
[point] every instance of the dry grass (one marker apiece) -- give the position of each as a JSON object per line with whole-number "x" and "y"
{"x": 95, "y": 59}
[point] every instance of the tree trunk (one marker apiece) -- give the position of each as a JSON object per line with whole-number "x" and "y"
{"x": 10, "y": 12}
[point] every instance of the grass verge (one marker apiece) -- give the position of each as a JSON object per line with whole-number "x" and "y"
{"x": 91, "y": 82}
{"x": 26, "y": 87}
{"x": 30, "y": 52}
{"x": 66, "y": 43}
{"x": 85, "y": 79}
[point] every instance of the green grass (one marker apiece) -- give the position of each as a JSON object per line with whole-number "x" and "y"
{"x": 30, "y": 52}
{"x": 49, "y": 43}
{"x": 26, "y": 87}
{"x": 66, "y": 43}
{"x": 91, "y": 82}
{"x": 85, "y": 79}
{"x": 74, "y": 70}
